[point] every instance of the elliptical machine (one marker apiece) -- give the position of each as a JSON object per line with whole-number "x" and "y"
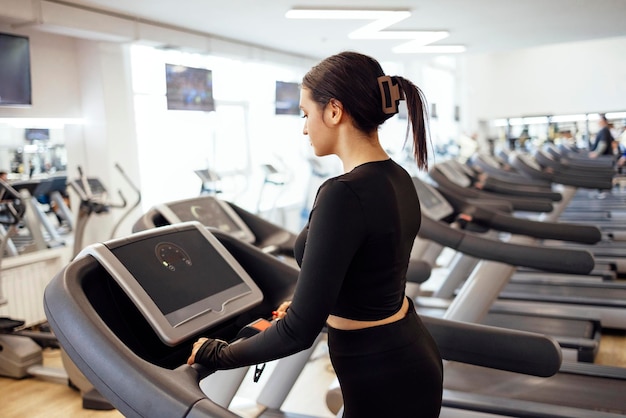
{"x": 20, "y": 349}
{"x": 94, "y": 200}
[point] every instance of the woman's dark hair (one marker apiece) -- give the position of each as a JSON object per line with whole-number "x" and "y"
{"x": 352, "y": 78}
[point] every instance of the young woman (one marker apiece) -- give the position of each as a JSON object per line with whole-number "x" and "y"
{"x": 354, "y": 252}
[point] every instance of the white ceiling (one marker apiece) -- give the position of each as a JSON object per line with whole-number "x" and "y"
{"x": 480, "y": 25}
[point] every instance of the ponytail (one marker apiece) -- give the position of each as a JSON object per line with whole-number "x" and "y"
{"x": 418, "y": 117}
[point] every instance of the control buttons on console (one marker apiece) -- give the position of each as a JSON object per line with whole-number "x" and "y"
{"x": 172, "y": 256}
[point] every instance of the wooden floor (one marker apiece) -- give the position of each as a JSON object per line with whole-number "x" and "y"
{"x": 612, "y": 349}
{"x": 36, "y": 398}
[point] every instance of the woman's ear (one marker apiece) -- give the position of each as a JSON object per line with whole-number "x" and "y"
{"x": 335, "y": 109}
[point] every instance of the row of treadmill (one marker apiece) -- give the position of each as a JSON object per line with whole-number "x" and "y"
{"x": 536, "y": 277}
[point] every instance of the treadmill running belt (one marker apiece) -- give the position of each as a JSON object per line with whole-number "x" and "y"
{"x": 564, "y": 389}
{"x": 586, "y": 295}
{"x": 556, "y": 327}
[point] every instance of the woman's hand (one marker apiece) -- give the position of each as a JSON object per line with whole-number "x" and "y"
{"x": 281, "y": 311}
{"x": 196, "y": 346}
{"x": 206, "y": 351}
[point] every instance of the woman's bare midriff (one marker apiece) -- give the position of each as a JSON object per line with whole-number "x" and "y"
{"x": 346, "y": 324}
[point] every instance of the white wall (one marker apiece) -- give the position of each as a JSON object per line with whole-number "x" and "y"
{"x": 109, "y": 131}
{"x": 581, "y": 77}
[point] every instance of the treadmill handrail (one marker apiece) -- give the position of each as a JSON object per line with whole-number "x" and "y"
{"x": 485, "y": 163}
{"x": 586, "y": 234}
{"x": 266, "y": 233}
{"x": 493, "y": 347}
{"x": 545, "y": 159}
{"x": 482, "y": 213}
{"x": 559, "y": 260}
{"x": 490, "y": 183}
{"x": 172, "y": 393}
{"x": 519, "y": 203}
{"x": 531, "y": 167}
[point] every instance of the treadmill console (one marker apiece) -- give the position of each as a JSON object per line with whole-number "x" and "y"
{"x": 432, "y": 203}
{"x": 89, "y": 189}
{"x": 210, "y": 212}
{"x": 452, "y": 174}
{"x": 179, "y": 277}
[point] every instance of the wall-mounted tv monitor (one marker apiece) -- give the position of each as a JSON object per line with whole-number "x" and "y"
{"x": 189, "y": 88}
{"x": 15, "y": 82}
{"x": 36, "y": 134}
{"x": 287, "y": 98}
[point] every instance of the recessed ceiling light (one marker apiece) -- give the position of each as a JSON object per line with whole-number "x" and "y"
{"x": 568, "y": 118}
{"x": 418, "y": 48}
{"x": 382, "y": 19}
{"x": 616, "y": 115}
{"x": 346, "y": 14}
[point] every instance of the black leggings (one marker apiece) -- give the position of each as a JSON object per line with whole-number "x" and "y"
{"x": 393, "y": 370}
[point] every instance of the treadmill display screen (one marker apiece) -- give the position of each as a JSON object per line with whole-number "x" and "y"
{"x": 210, "y": 212}
{"x": 181, "y": 277}
{"x": 207, "y": 212}
{"x": 428, "y": 199}
{"x": 431, "y": 202}
{"x": 97, "y": 191}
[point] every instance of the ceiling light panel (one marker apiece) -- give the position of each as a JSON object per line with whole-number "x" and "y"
{"x": 418, "y": 40}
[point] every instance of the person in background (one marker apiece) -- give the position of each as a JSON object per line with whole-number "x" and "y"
{"x": 566, "y": 137}
{"x": 620, "y": 145}
{"x": 603, "y": 144}
{"x": 4, "y": 176}
{"x": 354, "y": 252}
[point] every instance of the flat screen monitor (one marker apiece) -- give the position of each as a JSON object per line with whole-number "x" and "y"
{"x": 210, "y": 212}
{"x": 189, "y": 88}
{"x": 180, "y": 277}
{"x": 15, "y": 81}
{"x": 36, "y": 134}
{"x": 287, "y": 98}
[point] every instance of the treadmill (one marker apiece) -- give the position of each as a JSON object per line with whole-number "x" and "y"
{"x": 609, "y": 254}
{"x": 585, "y": 179}
{"x": 594, "y": 388}
{"x": 580, "y": 297}
{"x": 577, "y": 335}
{"x": 117, "y": 333}
{"x": 455, "y": 183}
{"x": 604, "y": 211}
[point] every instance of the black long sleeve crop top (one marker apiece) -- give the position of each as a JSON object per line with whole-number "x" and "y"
{"x": 353, "y": 256}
